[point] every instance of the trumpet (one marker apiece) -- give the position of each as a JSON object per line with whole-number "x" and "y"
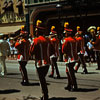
{"x": 17, "y": 37}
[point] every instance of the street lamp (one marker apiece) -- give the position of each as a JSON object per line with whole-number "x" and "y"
{"x": 27, "y": 16}
{"x": 59, "y": 8}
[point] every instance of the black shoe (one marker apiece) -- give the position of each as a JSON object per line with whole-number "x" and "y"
{"x": 41, "y": 98}
{"x": 25, "y": 83}
{"x": 58, "y": 77}
{"x": 73, "y": 89}
{"x": 93, "y": 61}
{"x": 75, "y": 71}
{"x": 51, "y": 76}
{"x": 44, "y": 98}
{"x": 68, "y": 88}
{"x": 84, "y": 72}
{"x": 98, "y": 69}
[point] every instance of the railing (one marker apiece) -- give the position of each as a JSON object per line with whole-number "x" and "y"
{"x": 33, "y": 2}
{"x": 69, "y": 2}
{"x": 42, "y": 1}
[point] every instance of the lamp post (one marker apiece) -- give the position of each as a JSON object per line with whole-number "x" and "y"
{"x": 59, "y": 7}
{"x": 27, "y": 16}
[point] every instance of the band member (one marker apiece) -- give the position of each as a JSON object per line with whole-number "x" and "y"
{"x": 81, "y": 60}
{"x": 98, "y": 31}
{"x": 78, "y": 29}
{"x": 97, "y": 47}
{"x": 70, "y": 48}
{"x": 23, "y": 46}
{"x": 66, "y": 26}
{"x": 55, "y": 43}
{"x": 42, "y": 49}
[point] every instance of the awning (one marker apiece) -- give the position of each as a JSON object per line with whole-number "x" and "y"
{"x": 9, "y": 29}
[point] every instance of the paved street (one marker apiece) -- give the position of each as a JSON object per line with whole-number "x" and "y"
{"x": 11, "y": 89}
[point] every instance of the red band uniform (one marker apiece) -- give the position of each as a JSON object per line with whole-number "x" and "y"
{"x": 97, "y": 49}
{"x": 54, "y": 57}
{"x": 81, "y": 60}
{"x": 42, "y": 49}
{"x": 70, "y": 49}
{"x": 23, "y": 46}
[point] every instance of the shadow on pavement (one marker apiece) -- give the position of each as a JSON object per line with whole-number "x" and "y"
{"x": 48, "y": 83}
{"x": 33, "y": 84}
{"x": 13, "y": 73}
{"x": 93, "y": 72}
{"x": 9, "y": 91}
{"x": 88, "y": 73}
{"x": 60, "y": 98}
{"x": 86, "y": 90}
{"x": 54, "y": 98}
{"x": 61, "y": 78}
{"x": 30, "y": 98}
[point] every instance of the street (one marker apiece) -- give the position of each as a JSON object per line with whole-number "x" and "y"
{"x": 11, "y": 89}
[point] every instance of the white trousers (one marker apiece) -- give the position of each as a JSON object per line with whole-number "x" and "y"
{"x": 3, "y": 65}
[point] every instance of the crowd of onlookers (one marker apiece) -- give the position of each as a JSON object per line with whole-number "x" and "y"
{"x": 13, "y": 50}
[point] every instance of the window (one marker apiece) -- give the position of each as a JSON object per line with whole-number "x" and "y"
{"x": 10, "y": 5}
{"x": 35, "y": 1}
{"x": 20, "y": 7}
{"x": 5, "y": 5}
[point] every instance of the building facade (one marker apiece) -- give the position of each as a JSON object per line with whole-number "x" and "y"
{"x": 56, "y": 12}
{"x": 12, "y": 15}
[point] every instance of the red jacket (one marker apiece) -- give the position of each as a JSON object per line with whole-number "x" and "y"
{"x": 23, "y": 47}
{"x": 55, "y": 43}
{"x": 81, "y": 44}
{"x": 97, "y": 44}
{"x": 70, "y": 49}
{"x": 42, "y": 49}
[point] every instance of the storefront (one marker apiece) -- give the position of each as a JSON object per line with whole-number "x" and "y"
{"x": 56, "y": 12}
{"x": 12, "y": 16}
{"x": 10, "y": 30}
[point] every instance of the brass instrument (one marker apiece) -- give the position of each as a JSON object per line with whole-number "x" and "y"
{"x": 17, "y": 37}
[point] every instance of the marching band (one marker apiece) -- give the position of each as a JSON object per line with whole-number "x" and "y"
{"x": 77, "y": 48}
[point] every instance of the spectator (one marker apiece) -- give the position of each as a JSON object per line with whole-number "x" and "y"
{"x": 4, "y": 52}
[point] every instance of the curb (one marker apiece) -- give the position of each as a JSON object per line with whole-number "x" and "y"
{"x": 59, "y": 63}
{"x": 15, "y": 61}
{"x": 32, "y": 62}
